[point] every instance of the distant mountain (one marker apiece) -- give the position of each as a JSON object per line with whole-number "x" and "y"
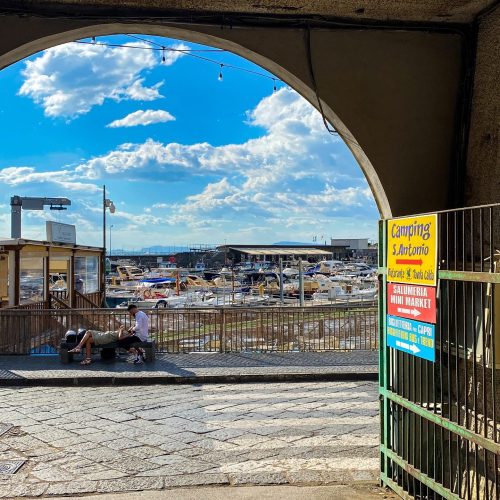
{"x": 154, "y": 250}
{"x": 165, "y": 249}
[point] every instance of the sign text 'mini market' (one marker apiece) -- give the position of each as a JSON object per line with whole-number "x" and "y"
{"x": 412, "y": 301}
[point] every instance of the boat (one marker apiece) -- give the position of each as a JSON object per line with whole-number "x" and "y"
{"x": 199, "y": 267}
{"x": 347, "y": 294}
{"x": 325, "y": 267}
{"x": 129, "y": 273}
{"x": 195, "y": 282}
{"x": 173, "y": 302}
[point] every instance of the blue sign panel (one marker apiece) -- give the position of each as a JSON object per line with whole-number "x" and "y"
{"x": 412, "y": 337}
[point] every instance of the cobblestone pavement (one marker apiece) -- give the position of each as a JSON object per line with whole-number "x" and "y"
{"x": 194, "y": 365}
{"x": 113, "y": 439}
{"x": 358, "y": 491}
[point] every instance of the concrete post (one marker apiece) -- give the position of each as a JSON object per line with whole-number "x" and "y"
{"x": 301, "y": 283}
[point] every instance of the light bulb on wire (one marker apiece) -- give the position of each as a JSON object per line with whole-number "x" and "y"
{"x": 163, "y": 49}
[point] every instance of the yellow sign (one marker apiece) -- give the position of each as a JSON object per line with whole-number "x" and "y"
{"x": 412, "y": 250}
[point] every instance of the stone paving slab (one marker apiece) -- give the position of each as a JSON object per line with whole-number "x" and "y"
{"x": 190, "y": 368}
{"x": 88, "y": 440}
{"x": 333, "y": 492}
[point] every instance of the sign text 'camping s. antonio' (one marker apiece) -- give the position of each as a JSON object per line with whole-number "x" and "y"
{"x": 412, "y": 250}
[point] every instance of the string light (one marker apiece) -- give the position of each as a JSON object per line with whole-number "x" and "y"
{"x": 156, "y": 47}
{"x": 152, "y": 42}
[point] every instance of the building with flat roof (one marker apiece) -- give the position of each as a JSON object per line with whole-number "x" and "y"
{"x": 351, "y": 243}
{"x": 239, "y": 253}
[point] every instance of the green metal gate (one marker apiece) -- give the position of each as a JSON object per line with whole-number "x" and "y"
{"x": 440, "y": 429}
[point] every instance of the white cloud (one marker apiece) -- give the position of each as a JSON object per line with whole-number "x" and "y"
{"x": 68, "y": 80}
{"x": 139, "y": 219}
{"x": 67, "y": 179}
{"x": 295, "y": 175}
{"x": 217, "y": 194}
{"x": 142, "y": 117}
{"x": 294, "y": 144}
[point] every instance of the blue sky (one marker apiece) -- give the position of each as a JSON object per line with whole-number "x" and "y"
{"x": 186, "y": 158}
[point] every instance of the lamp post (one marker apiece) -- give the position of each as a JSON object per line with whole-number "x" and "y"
{"x": 106, "y": 203}
{"x": 110, "y": 228}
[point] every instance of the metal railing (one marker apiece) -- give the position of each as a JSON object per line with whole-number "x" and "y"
{"x": 203, "y": 330}
{"x": 440, "y": 420}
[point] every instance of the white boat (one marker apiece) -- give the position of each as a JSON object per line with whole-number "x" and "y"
{"x": 348, "y": 294}
{"x": 290, "y": 272}
{"x": 359, "y": 269}
{"x": 199, "y": 267}
{"x": 159, "y": 303}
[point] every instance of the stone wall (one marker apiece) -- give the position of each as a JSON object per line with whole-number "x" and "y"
{"x": 482, "y": 183}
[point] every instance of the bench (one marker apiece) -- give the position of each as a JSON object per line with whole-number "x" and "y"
{"x": 66, "y": 357}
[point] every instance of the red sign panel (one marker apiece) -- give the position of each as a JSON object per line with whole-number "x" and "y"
{"x": 412, "y": 302}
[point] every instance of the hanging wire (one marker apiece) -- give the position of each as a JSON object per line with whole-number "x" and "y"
{"x": 140, "y": 47}
{"x": 152, "y": 42}
{"x": 312, "y": 75}
{"x": 220, "y": 73}
{"x": 188, "y": 52}
{"x": 330, "y": 130}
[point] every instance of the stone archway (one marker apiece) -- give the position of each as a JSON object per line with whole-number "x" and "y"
{"x": 392, "y": 95}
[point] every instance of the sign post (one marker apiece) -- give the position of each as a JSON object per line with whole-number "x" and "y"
{"x": 411, "y": 288}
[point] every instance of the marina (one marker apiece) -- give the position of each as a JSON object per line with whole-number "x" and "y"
{"x": 41, "y": 275}
{"x": 289, "y": 301}
{"x": 318, "y": 283}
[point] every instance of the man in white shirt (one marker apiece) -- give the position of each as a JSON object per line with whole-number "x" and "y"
{"x": 139, "y": 332}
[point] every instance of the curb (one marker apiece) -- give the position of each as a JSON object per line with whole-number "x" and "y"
{"x": 191, "y": 380}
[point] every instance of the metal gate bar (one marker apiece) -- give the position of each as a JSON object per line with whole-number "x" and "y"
{"x": 440, "y": 432}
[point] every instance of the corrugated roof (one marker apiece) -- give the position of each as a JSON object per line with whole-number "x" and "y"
{"x": 281, "y": 251}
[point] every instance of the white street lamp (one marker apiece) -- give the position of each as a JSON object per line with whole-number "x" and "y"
{"x": 106, "y": 204}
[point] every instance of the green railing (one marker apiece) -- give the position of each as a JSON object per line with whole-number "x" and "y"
{"x": 440, "y": 429}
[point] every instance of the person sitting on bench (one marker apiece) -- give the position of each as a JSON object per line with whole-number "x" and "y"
{"x": 137, "y": 333}
{"x": 98, "y": 338}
